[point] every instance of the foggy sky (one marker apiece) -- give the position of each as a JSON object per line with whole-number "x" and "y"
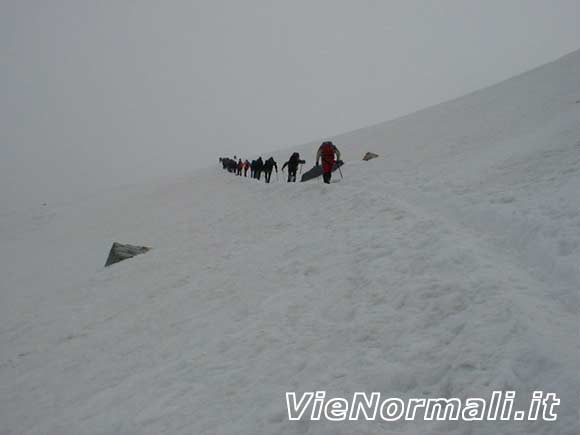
{"x": 98, "y": 93}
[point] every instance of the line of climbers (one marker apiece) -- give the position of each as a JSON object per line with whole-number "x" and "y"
{"x": 256, "y": 167}
{"x": 326, "y": 153}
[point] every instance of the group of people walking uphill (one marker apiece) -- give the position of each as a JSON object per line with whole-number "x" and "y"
{"x": 326, "y": 155}
{"x": 257, "y": 167}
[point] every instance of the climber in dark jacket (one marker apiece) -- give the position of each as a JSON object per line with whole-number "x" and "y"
{"x": 259, "y": 168}
{"x": 292, "y": 164}
{"x": 253, "y": 169}
{"x": 269, "y": 165}
{"x": 232, "y": 166}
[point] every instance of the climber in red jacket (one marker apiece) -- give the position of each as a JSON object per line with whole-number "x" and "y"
{"x": 326, "y": 152}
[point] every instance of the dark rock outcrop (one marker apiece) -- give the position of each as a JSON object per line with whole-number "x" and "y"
{"x": 369, "y": 156}
{"x": 120, "y": 252}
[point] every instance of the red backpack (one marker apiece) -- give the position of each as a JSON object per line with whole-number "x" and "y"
{"x": 327, "y": 150}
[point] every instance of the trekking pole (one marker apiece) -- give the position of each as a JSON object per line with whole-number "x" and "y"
{"x": 340, "y": 172}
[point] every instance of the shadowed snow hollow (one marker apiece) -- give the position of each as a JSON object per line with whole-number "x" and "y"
{"x": 447, "y": 267}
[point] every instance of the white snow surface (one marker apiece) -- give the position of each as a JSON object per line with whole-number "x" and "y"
{"x": 448, "y": 267}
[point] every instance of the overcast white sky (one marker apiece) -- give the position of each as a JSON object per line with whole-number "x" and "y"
{"x": 99, "y": 93}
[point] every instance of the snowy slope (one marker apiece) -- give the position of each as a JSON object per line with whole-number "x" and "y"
{"x": 448, "y": 267}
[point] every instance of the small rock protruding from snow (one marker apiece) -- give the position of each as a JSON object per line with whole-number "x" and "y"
{"x": 120, "y": 252}
{"x": 369, "y": 156}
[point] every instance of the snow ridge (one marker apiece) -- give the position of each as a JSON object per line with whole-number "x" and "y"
{"x": 448, "y": 267}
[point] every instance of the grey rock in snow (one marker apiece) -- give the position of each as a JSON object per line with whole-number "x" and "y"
{"x": 369, "y": 156}
{"x": 120, "y": 252}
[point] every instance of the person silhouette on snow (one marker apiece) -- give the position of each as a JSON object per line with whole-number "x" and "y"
{"x": 269, "y": 165}
{"x": 253, "y": 169}
{"x": 259, "y": 168}
{"x": 232, "y": 166}
{"x": 292, "y": 164}
{"x": 326, "y": 153}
